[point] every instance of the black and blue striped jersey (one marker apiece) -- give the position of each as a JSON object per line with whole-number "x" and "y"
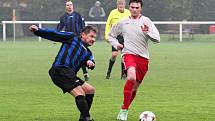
{"x": 73, "y": 52}
{"x": 73, "y": 22}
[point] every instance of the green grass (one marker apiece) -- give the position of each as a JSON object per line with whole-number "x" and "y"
{"x": 179, "y": 86}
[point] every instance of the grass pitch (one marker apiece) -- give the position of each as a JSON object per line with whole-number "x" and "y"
{"x": 179, "y": 86}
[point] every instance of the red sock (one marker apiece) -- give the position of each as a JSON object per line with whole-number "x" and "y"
{"x": 133, "y": 96}
{"x": 128, "y": 93}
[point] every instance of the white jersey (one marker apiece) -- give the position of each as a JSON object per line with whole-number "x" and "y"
{"x": 135, "y": 40}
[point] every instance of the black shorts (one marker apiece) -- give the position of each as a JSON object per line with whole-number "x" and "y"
{"x": 121, "y": 41}
{"x": 65, "y": 78}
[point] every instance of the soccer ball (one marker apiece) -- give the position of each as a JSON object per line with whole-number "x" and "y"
{"x": 147, "y": 116}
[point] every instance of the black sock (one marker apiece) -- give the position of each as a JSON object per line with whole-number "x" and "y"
{"x": 82, "y": 105}
{"x": 89, "y": 98}
{"x": 122, "y": 69}
{"x": 84, "y": 69}
{"x": 111, "y": 62}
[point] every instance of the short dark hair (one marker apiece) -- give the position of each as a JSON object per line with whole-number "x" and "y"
{"x": 136, "y": 1}
{"x": 87, "y": 29}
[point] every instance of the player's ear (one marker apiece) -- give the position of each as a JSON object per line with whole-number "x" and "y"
{"x": 83, "y": 35}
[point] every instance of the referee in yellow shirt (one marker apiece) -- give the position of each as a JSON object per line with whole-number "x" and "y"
{"x": 115, "y": 16}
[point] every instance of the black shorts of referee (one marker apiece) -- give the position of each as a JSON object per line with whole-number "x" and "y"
{"x": 121, "y": 41}
{"x": 65, "y": 78}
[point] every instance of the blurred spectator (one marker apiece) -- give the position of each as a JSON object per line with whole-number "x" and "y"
{"x": 97, "y": 13}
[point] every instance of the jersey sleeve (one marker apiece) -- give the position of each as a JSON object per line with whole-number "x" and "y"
{"x": 54, "y": 35}
{"x": 91, "y": 58}
{"x": 81, "y": 23}
{"x": 60, "y": 25}
{"x": 108, "y": 25}
{"x": 153, "y": 32}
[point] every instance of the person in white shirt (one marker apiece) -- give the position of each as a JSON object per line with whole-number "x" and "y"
{"x": 136, "y": 30}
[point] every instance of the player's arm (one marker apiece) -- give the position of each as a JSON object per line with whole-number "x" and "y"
{"x": 91, "y": 13}
{"x": 114, "y": 32}
{"x": 81, "y": 24}
{"x": 52, "y": 34}
{"x": 90, "y": 62}
{"x": 108, "y": 26}
{"x": 60, "y": 25}
{"x": 152, "y": 31}
{"x": 103, "y": 12}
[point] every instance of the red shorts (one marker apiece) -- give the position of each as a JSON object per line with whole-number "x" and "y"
{"x": 140, "y": 64}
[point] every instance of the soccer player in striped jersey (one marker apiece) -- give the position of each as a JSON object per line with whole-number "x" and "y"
{"x": 73, "y": 54}
{"x": 136, "y": 30}
{"x": 72, "y": 21}
{"x": 115, "y": 16}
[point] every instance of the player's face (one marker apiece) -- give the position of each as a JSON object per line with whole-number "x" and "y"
{"x": 69, "y": 6}
{"x": 121, "y": 6}
{"x": 89, "y": 38}
{"x": 135, "y": 9}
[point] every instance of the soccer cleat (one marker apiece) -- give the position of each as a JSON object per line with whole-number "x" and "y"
{"x": 123, "y": 115}
{"x": 86, "y": 77}
{"x": 108, "y": 76}
{"x": 86, "y": 119}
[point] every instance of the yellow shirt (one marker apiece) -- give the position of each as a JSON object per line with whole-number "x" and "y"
{"x": 114, "y": 17}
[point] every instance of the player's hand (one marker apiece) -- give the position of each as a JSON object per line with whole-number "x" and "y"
{"x": 33, "y": 28}
{"x": 119, "y": 47}
{"x": 145, "y": 28}
{"x": 90, "y": 64}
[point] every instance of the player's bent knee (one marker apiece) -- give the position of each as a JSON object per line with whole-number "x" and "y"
{"x": 88, "y": 89}
{"x": 131, "y": 78}
{"x": 131, "y": 73}
{"x": 114, "y": 54}
{"x": 77, "y": 91}
{"x": 91, "y": 90}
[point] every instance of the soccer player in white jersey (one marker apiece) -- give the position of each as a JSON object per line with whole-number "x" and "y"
{"x": 136, "y": 30}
